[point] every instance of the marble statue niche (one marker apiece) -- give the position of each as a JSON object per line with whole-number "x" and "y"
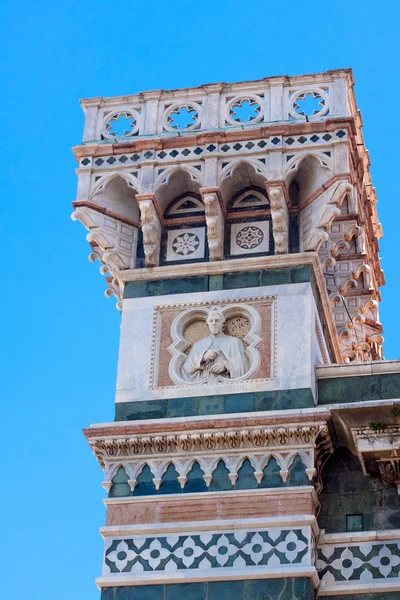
{"x": 216, "y": 355}
{"x": 214, "y": 345}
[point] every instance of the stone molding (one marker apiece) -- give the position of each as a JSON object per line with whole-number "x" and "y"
{"x": 311, "y": 442}
{"x": 382, "y": 367}
{"x": 160, "y": 511}
{"x": 112, "y": 448}
{"x": 209, "y": 463}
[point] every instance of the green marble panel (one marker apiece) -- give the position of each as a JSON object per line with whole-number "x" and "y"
{"x": 251, "y": 589}
{"x": 214, "y": 405}
{"x": 357, "y": 389}
{"x": 228, "y": 281}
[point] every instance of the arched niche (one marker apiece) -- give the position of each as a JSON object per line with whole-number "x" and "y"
{"x": 248, "y": 226}
{"x": 118, "y": 197}
{"x": 243, "y": 178}
{"x": 307, "y": 179}
{"x": 176, "y": 186}
{"x": 184, "y": 229}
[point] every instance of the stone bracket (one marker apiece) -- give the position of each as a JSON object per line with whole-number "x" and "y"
{"x": 215, "y": 222}
{"x": 280, "y": 217}
{"x": 151, "y": 229}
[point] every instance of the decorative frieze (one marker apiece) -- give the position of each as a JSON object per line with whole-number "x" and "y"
{"x": 113, "y": 448}
{"x": 208, "y": 448}
{"x": 365, "y": 562}
{"x": 189, "y": 153}
{"x": 208, "y": 554}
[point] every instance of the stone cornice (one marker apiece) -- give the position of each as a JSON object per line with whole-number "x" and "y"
{"x": 382, "y": 367}
{"x": 107, "y": 448}
{"x": 281, "y": 521}
{"x": 157, "y": 142}
{"x": 226, "y": 266}
{"x": 296, "y": 418}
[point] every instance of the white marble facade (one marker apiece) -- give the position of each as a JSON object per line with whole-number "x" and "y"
{"x": 295, "y": 343}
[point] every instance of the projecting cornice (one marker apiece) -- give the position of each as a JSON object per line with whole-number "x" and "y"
{"x": 220, "y": 136}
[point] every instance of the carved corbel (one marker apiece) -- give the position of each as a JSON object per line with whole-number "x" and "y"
{"x": 354, "y": 232}
{"x": 113, "y": 241}
{"x": 389, "y": 470}
{"x": 349, "y": 284}
{"x": 280, "y": 219}
{"x": 215, "y": 224}
{"x": 106, "y": 232}
{"x": 151, "y": 229}
{"x": 356, "y": 343}
{"x": 366, "y": 271}
{"x": 340, "y": 247}
{"x": 332, "y": 199}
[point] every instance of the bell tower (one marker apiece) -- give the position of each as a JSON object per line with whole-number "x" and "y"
{"x": 236, "y": 227}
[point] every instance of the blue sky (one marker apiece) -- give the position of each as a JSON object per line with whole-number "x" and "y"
{"x": 59, "y": 332}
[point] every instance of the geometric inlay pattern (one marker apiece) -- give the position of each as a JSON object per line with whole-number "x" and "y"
{"x": 189, "y": 153}
{"x": 206, "y": 550}
{"x": 185, "y": 244}
{"x": 249, "y": 237}
{"x": 359, "y": 563}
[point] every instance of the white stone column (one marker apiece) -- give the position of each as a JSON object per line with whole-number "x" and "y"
{"x": 91, "y": 114}
{"x": 150, "y": 120}
{"x": 277, "y": 104}
{"x": 339, "y": 98}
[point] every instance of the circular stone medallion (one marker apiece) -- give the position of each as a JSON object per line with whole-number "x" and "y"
{"x": 249, "y": 238}
{"x": 185, "y": 244}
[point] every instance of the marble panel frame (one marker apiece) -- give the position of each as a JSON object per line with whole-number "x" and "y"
{"x": 293, "y": 364}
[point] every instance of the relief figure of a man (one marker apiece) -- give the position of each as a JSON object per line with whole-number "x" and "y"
{"x": 215, "y": 356}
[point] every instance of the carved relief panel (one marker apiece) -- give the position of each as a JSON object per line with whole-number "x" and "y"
{"x": 222, "y": 343}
